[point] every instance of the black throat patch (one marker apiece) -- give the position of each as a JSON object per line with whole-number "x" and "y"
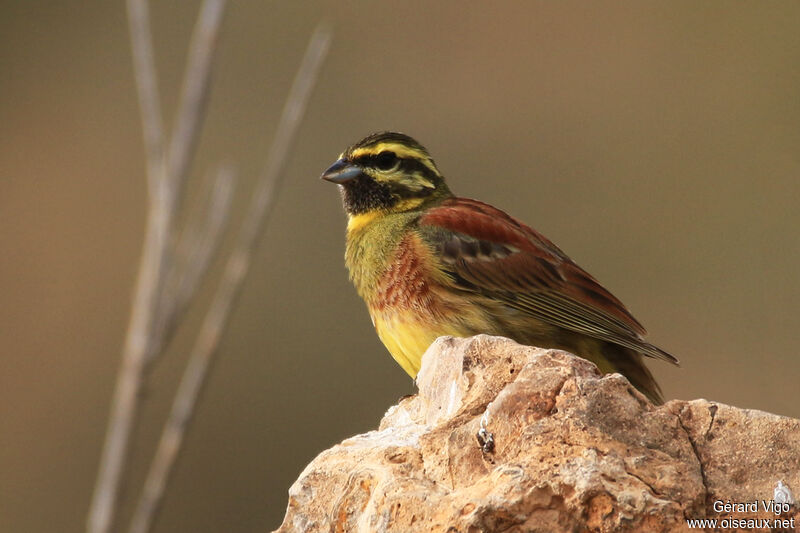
{"x": 363, "y": 194}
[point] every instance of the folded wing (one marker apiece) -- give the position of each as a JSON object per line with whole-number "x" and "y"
{"x": 487, "y": 251}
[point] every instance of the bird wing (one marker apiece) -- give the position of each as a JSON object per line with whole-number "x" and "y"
{"x": 485, "y": 250}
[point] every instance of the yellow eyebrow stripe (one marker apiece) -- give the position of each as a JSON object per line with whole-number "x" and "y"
{"x": 400, "y": 150}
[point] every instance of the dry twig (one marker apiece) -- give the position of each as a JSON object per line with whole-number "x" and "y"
{"x": 191, "y": 111}
{"x": 171, "y": 268}
{"x": 235, "y": 270}
{"x": 163, "y": 190}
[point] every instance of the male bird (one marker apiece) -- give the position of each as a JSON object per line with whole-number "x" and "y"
{"x": 428, "y": 263}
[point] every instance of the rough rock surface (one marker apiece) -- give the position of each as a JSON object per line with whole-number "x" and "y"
{"x": 572, "y": 451}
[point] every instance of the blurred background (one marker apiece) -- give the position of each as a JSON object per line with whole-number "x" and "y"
{"x": 657, "y": 144}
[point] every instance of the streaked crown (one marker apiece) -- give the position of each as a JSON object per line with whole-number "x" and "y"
{"x": 386, "y": 171}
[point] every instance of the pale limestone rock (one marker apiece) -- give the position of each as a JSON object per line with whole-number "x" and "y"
{"x": 573, "y": 451}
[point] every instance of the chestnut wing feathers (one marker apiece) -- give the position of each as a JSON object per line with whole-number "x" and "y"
{"x": 487, "y": 251}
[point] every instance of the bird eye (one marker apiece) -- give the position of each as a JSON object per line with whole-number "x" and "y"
{"x": 386, "y": 160}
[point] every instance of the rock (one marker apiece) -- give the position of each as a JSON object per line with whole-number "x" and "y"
{"x": 571, "y": 450}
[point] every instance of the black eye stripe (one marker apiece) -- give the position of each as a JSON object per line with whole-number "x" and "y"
{"x": 411, "y": 165}
{"x": 408, "y": 165}
{"x": 382, "y": 161}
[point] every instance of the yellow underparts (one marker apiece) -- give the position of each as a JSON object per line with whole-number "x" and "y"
{"x": 407, "y": 340}
{"x": 407, "y": 333}
{"x": 356, "y": 222}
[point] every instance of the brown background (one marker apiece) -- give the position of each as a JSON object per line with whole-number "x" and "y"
{"x": 658, "y": 144}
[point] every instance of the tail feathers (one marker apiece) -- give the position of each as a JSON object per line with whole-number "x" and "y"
{"x": 629, "y": 363}
{"x": 650, "y": 350}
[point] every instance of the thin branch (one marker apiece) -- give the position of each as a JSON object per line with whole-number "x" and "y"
{"x": 125, "y": 403}
{"x": 129, "y": 380}
{"x": 154, "y": 260}
{"x": 272, "y": 175}
{"x": 193, "y": 252}
{"x": 198, "y": 257}
{"x": 194, "y": 92}
{"x": 147, "y": 89}
{"x": 235, "y": 270}
{"x": 185, "y": 134}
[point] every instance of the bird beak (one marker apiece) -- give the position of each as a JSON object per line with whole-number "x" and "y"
{"x": 341, "y": 172}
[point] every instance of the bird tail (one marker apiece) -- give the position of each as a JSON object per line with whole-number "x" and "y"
{"x": 629, "y": 363}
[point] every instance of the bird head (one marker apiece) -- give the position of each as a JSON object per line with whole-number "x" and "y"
{"x": 386, "y": 172}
